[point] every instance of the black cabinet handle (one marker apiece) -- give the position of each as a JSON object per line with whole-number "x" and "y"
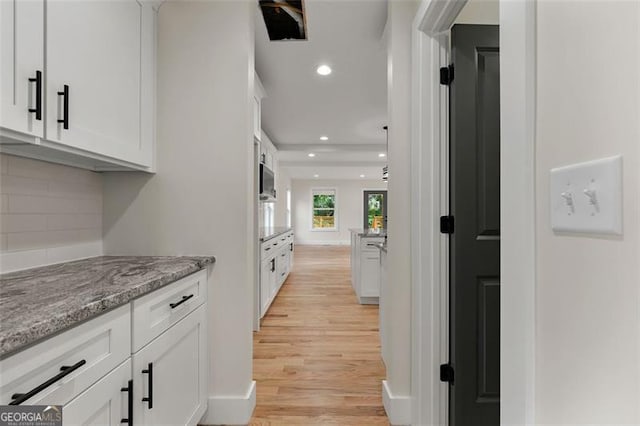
{"x": 129, "y": 390}
{"x": 65, "y": 370}
{"x": 273, "y": 265}
{"x": 65, "y": 107}
{"x": 282, "y": 255}
{"x": 267, "y": 249}
{"x": 38, "y": 109}
{"x": 149, "y": 371}
{"x": 290, "y": 246}
{"x": 184, "y": 299}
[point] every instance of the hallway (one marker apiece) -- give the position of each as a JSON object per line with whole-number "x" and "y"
{"x": 317, "y": 355}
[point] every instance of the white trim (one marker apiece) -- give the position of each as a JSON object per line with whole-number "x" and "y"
{"x": 398, "y": 408}
{"x": 231, "y": 410}
{"x": 430, "y": 200}
{"x": 18, "y": 260}
{"x": 517, "y": 211}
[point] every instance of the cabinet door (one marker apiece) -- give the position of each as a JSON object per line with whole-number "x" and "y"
{"x": 22, "y": 53}
{"x": 265, "y": 286}
{"x": 104, "y": 403}
{"x": 170, "y": 373}
{"x": 370, "y": 274}
{"x": 101, "y": 50}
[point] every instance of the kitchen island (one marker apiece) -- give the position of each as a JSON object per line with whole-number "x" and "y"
{"x": 365, "y": 264}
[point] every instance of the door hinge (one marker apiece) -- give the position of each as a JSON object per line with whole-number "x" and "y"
{"x": 446, "y": 224}
{"x": 446, "y": 373}
{"x": 446, "y": 75}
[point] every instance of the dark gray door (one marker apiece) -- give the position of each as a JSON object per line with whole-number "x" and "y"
{"x": 475, "y": 242}
{"x": 375, "y": 209}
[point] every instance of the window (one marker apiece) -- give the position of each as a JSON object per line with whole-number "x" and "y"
{"x": 288, "y": 208}
{"x": 324, "y": 209}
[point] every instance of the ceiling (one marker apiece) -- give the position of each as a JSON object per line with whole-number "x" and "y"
{"x": 349, "y": 105}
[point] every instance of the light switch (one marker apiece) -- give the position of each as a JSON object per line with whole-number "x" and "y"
{"x": 587, "y": 197}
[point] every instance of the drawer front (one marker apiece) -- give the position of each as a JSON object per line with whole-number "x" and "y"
{"x": 267, "y": 250}
{"x": 159, "y": 310}
{"x": 371, "y": 244}
{"x": 95, "y": 348}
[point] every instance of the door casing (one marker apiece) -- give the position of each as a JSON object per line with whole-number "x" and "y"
{"x": 430, "y": 188}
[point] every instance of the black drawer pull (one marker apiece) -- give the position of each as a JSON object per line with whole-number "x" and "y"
{"x": 65, "y": 107}
{"x": 291, "y": 247}
{"x": 65, "y": 370}
{"x": 273, "y": 265}
{"x": 267, "y": 249}
{"x": 38, "y": 109}
{"x": 184, "y": 299}
{"x": 129, "y": 390}
{"x": 149, "y": 398}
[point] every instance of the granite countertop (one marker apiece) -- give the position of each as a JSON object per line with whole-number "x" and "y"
{"x": 269, "y": 233}
{"x": 368, "y": 232}
{"x": 36, "y": 303}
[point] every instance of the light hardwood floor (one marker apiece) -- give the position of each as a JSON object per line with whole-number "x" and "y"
{"x": 317, "y": 356}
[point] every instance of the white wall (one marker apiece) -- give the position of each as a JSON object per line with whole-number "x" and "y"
{"x": 50, "y": 213}
{"x": 283, "y": 183}
{"x": 202, "y": 199}
{"x": 588, "y": 288}
{"x": 349, "y": 203}
{"x": 485, "y": 12}
{"x": 400, "y": 18}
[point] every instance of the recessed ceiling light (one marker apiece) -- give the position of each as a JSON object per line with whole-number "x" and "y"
{"x": 382, "y": 154}
{"x": 361, "y": 175}
{"x": 324, "y": 138}
{"x": 315, "y": 176}
{"x": 311, "y": 154}
{"x": 324, "y": 70}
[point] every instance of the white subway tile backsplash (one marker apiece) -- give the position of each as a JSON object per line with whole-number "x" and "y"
{"x": 23, "y": 223}
{"x": 27, "y": 240}
{"x": 26, "y": 167}
{"x": 48, "y": 212}
{"x": 23, "y": 185}
{"x": 78, "y": 221}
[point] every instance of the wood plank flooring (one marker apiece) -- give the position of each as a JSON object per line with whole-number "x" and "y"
{"x": 317, "y": 356}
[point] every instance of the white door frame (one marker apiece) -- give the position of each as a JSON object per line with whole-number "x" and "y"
{"x": 430, "y": 188}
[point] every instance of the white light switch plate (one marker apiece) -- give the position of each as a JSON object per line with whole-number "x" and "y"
{"x": 587, "y": 197}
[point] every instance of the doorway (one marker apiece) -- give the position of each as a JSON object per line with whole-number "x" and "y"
{"x": 374, "y": 209}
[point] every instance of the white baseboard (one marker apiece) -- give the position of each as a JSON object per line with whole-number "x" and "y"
{"x": 231, "y": 410}
{"x": 398, "y": 408}
{"x": 323, "y": 243}
{"x": 25, "y": 259}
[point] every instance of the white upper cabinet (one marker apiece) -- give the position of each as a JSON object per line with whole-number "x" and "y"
{"x": 22, "y": 66}
{"x": 99, "y": 57}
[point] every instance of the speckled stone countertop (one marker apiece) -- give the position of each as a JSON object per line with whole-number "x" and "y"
{"x": 368, "y": 232}
{"x": 269, "y": 233}
{"x": 36, "y": 303}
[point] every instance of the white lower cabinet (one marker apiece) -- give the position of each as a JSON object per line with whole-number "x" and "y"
{"x": 104, "y": 403}
{"x": 95, "y": 373}
{"x": 275, "y": 266}
{"x": 170, "y": 375}
{"x": 365, "y": 267}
